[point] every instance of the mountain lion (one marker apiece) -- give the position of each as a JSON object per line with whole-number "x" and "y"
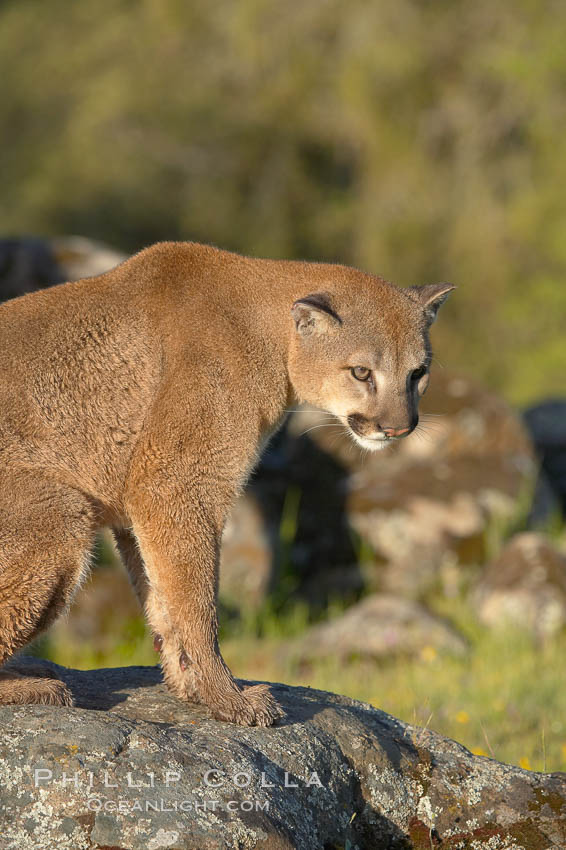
{"x": 139, "y": 400}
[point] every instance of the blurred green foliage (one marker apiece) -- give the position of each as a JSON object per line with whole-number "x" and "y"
{"x": 422, "y": 141}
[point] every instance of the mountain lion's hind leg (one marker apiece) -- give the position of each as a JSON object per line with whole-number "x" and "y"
{"x": 21, "y": 689}
{"x": 133, "y": 561}
{"x": 46, "y": 530}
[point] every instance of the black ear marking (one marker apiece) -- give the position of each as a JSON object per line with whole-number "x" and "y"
{"x": 431, "y": 297}
{"x": 305, "y": 311}
{"x": 320, "y": 301}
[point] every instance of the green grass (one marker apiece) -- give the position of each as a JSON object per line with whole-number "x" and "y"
{"x": 128, "y": 644}
{"x": 505, "y": 698}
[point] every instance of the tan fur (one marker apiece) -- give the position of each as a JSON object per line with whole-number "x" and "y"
{"x": 140, "y": 399}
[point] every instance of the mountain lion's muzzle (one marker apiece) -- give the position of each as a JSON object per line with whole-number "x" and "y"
{"x": 373, "y": 429}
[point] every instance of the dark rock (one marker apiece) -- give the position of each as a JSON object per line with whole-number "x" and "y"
{"x": 356, "y": 778}
{"x": 300, "y": 493}
{"x": 525, "y": 585}
{"x": 546, "y": 423}
{"x": 26, "y": 264}
{"x": 246, "y": 556}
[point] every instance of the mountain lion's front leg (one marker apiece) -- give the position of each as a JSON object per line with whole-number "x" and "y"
{"x": 178, "y": 519}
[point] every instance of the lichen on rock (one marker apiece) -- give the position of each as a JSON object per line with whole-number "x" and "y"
{"x": 132, "y": 767}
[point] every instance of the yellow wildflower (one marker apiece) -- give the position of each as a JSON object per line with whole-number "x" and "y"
{"x": 428, "y": 653}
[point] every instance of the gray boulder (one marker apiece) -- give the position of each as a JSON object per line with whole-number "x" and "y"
{"x": 132, "y": 767}
{"x": 525, "y": 585}
{"x": 80, "y": 257}
{"x": 429, "y": 503}
{"x": 378, "y": 626}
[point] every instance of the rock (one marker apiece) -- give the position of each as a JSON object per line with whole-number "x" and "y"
{"x": 128, "y": 769}
{"x": 299, "y": 492}
{"x": 246, "y": 559}
{"x": 525, "y": 585}
{"x": 102, "y": 615}
{"x": 381, "y": 625}
{"x": 80, "y": 257}
{"x": 429, "y": 501}
{"x": 26, "y": 264}
{"x": 546, "y": 423}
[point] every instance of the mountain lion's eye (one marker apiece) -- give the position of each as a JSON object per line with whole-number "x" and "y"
{"x": 419, "y": 373}
{"x": 360, "y": 373}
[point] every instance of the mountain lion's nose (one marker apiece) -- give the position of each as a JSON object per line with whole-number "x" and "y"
{"x": 395, "y": 432}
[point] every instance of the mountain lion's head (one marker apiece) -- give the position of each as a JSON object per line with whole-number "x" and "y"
{"x": 363, "y": 354}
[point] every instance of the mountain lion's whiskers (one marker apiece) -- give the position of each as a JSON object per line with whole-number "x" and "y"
{"x": 312, "y": 412}
{"x": 323, "y": 425}
{"x": 423, "y": 434}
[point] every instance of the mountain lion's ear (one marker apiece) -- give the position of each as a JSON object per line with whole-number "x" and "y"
{"x": 314, "y": 314}
{"x": 431, "y": 297}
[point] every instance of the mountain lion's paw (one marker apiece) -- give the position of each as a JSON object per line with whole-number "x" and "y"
{"x": 57, "y": 693}
{"x": 45, "y": 691}
{"x": 253, "y": 706}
